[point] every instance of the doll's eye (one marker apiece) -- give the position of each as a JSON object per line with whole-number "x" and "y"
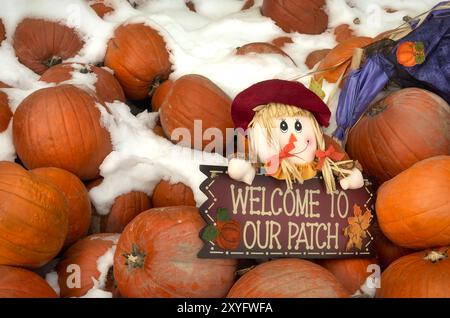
{"x": 298, "y": 126}
{"x": 284, "y": 126}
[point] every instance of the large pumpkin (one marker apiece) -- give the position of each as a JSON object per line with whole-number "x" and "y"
{"x": 424, "y": 274}
{"x": 40, "y": 44}
{"x": 351, "y": 273}
{"x": 20, "y": 283}
{"x": 160, "y": 95}
{"x": 167, "y": 194}
{"x": 77, "y": 200}
{"x": 93, "y": 260}
{"x": 107, "y": 88}
{"x": 34, "y": 218}
{"x": 302, "y": 16}
{"x": 338, "y": 60}
{"x": 5, "y": 111}
{"x": 157, "y": 257}
{"x": 60, "y": 127}
{"x": 288, "y": 278}
{"x": 413, "y": 208}
{"x": 407, "y": 126}
{"x": 125, "y": 208}
{"x": 194, "y": 97}
{"x": 139, "y": 57}
{"x": 388, "y": 252}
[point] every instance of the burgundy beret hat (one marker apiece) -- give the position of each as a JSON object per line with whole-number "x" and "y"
{"x": 277, "y": 91}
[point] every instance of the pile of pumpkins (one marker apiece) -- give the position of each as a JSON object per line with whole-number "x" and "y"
{"x": 46, "y": 216}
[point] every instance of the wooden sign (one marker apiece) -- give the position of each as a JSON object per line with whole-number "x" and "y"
{"x": 268, "y": 220}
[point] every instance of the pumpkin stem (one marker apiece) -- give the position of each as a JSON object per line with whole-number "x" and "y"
{"x": 376, "y": 109}
{"x": 85, "y": 70}
{"x": 135, "y": 259}
{"x": 436, "y": 256}
{"x": 156, "y": 82}
{"x": 52, "y": 61}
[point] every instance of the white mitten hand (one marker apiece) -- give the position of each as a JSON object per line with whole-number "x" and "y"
{"x": 353, "y": 181}
{"x": 241, "y": 170}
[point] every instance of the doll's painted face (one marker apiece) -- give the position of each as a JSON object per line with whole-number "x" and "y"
{"x": 305, "y": 144}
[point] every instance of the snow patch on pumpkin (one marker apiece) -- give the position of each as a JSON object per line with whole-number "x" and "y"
{"x": 52, "y": 280}
{"x": 7, "y": 151}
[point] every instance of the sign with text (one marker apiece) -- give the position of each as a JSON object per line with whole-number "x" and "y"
{"x": 266, "y": 219}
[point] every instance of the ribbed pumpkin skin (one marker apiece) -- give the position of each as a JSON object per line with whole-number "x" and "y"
{"x": 77, "y": 199}
{"x": 169, "y": 237}
{"x": 107, "y": 88}
{"x": 288, "y": 278}
{"x": 34, "y": 218}
{"x": 406, "y": 127}
{"x": 351, "y": 273}
{"x": 160, "y": 94}
{"x": 413, "y": 276}
{"x": 413, "y": 208}
{"x": 302, "y": 16}
{"x": 36, "y": 41}
{"x": 139, "y": 57}
{"x": 194, "y": 97}
{"x": 85, "y": 254}
{"x": 340, "y": 55}
{"x": 5, "y": 111}
{"x": 167, "y": 194}
{"x": 60, "y": 127}
{"x": 20, "y": 283}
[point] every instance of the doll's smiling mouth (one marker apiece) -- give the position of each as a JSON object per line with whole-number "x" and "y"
{"x": 303, "y": 150}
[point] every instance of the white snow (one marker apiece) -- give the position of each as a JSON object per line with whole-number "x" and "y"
{"x": 201, "y": 43}
{"x": 52, "y": 280}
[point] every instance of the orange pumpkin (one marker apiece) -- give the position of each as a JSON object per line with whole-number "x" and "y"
{"x": 288, "y": 278}
{"x": 413, "y": 208}
{"x": 34, "y": 218}
{"x": 338, "y": 60}
{"x": 160, "y": 94}
{"x": 261, "y": 48}
{"x": 41, "y": 44}
{"x": 85, "y": 254}
{"x": 424, "y": 274}
{"x": 60, "y": 127}
{"x": 5, "y": 111}
{"x": 125, "y": 208}
{"x": 342, "y": 33}
{"x": 20, "y": 283}
{"x": 157, "y": 257}
{"x": 315, "y": 57}
{"x": 100, "y": 7}
{"x": 2, "y": 31}
{"x": 351, "y": 273}
{"x": 302, "y": 16}
{"x": 408, "y": 126}
{"x": 194, "y": 97}
{"x": 388, "y": 252}
{"x": 410, "y": 54}
{"x": 77, "y": 200}
{"x": 158, "y": 130}
{"x": 281, "y": 41}
{"x": 139, "y": 57}
{"x": 167, "y": 194}
{"x": 107, "y": 88}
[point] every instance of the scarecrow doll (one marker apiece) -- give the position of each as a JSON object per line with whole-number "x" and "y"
{"x": 283, "y": 122}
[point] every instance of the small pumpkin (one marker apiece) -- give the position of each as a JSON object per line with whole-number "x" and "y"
{"x": 79, "y": 205}
{"x": 351, "y": 273}
{"x": 107, "y": 88}
{"x": 302, "y": 16}
{"x": 343, "y": 32}
{"x": 261, "y": 48}
{"x": 5, "y": 111}
{"x": 34, "y": 218}
{"x": 315, "y": 57}
{"x": 338, "y": 60}
{"x": 288, "y": 278}
{"x": 41, "y": 44}
{"x": 100, "y": 7}
{"x": 139, "y": 57}
{"x": 21, "y": 283}
{"x": 424, "y": 274}
{"x": 160, "y": 94}
{"x": 407, "y": 126}
{"x": 90, "y": 256}
{"x": 60, "y": 127}
{"x": 168, "y": 194}
{"x": 157, "y": 257}
{"x": 410, "y": 54}
{"x": 194, "y": 97}
{"x": 412, "y": 208}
